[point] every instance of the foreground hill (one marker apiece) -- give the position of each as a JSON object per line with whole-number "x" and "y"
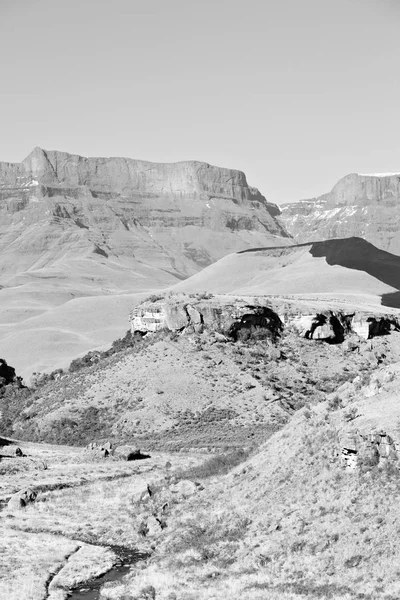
{"x": 312, "y": 510}
{"x": 217, "y": 372}
{"x": 293, "y": 521}
{"x": 80, "y": 236}
{"x": 358, "y": 205}
{"x": 346, "y": 269}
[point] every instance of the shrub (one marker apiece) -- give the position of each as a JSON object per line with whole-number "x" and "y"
{"x": 335, "y": 402}
{"x": 217, "y": 465}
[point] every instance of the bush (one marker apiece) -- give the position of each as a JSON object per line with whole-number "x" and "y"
{"x": 217, "y": 465}
{"x": 335, "y": 402}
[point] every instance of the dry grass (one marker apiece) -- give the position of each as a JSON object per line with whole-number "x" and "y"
{"x": 221, "y": 395}
{"x": 26, "y": 561}
{"x": 288, "y": 523}
{"x": 76, "y": 505}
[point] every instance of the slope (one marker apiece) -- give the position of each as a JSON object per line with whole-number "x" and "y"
{"x": 349, "y": 269}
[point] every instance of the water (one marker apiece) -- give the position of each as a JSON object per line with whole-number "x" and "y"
{"x": 90, "y": 590}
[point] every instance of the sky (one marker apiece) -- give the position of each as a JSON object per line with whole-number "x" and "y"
{"x": 295, "y": 93}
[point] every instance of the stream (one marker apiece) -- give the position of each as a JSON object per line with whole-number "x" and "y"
{"x": 90, "y": 590}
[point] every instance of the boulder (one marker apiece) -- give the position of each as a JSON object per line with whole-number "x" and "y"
{"x": 351, "y": 345}
{"x": 184, "y": 488}
{"x": 22, "y": 498}
{"x": 153, "y": 525}
{"x": 99, "y": 450}
{"x": 127, "y": 452}
{"x": 324, "y": 332}
{"x": 302, "y": 324}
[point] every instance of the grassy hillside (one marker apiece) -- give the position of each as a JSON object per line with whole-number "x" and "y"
{"x": 342, "y": 269}
{"x": 288, "y": 523}
{"x": 275, "y": 515}
{"x": 184, "y": 391}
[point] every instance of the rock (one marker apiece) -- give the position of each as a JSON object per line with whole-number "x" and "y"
{"x": 22, "y": 498}
{"x": 368, "y": 455}
{"x": 146, "y": 593}
{"x": 215, "y": 315}
{"x": 127, "y": 452}
{"x": 370, "y": 450}
{"x": 351, "y": 344}
{"x": 361, "y": 326}
{"x": 324, "y": 332}
{"x": 154, "y": 526}
{"x": 99, "y": 450}
{"x": 184, "y": 488}
{"x": 18, "y": 451}
{"x": 325, "y": 326}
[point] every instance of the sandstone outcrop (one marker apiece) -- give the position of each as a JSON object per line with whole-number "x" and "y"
{"x": 196, "y": 315}
{"x": 325, "y": 326}
{"x": 185, "y": 314}
{"x": 128, "y": 453}
{"x": 22, "y": 498}
{"x": 366, "y": 450}
{"x": 358, "y": 205}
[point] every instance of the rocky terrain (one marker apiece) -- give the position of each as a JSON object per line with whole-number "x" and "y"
{"x": 241, "y": 367}
{"x": 272, "y": 433}
{"x": 81, "y": 238}
{"x": 359, "y": 205}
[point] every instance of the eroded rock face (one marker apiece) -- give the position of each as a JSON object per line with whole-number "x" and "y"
{"x": 231, "y": 317}
{"x": 194, "y": 316}
{"x": 358, "y": 205}
{"x": 324, "y": 326}
{"x": 367, "y": 450}
{"x": 334, "y": 326}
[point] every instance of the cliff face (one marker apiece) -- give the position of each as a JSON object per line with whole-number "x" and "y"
{"x": 179, "y": 216}
{"x": 365, "y": 206}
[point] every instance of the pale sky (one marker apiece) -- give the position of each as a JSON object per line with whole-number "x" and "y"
{"x": 296, "y": 93}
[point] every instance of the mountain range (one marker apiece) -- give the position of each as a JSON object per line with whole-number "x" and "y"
{"x": 82, "y": 239}
{"x": 359, "y": 205}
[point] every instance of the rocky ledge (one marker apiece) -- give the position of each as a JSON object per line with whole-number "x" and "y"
{"x": 229, "y": 317}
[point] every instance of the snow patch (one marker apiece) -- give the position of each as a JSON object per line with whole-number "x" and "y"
{"x": 377, "y": 174}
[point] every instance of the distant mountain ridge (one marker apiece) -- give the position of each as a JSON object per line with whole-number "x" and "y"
{"x": 125, "y": 206}
{"x": 359, "y": 205}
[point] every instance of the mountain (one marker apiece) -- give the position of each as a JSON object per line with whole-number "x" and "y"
{"x": 350, "y": 270}
{"x": 81, "y": 238}
{"x": 366, "y": 206}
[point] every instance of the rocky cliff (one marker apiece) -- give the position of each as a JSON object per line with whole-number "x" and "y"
{"x": 366, "y": 206}
{"x": 180, "y": 216}
{"x": 235, "y": 317}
